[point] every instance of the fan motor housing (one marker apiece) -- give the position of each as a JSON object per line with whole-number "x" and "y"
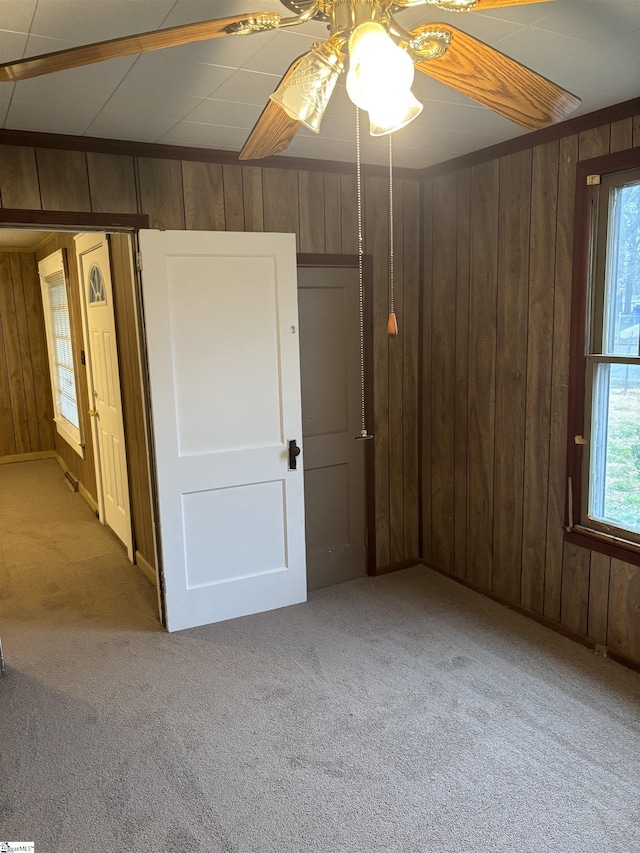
{"x": 343, "y": 15}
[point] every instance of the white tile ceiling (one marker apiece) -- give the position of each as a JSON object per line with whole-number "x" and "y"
{"x": 211, "y": 93}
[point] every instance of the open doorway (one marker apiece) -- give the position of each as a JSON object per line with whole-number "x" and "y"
{"x": 135, "y": 403}
{"x": 57, "y": 560}
{"x": 60, "y": 330}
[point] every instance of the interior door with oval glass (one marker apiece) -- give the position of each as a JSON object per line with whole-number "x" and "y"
{"x": 103, "y": 378}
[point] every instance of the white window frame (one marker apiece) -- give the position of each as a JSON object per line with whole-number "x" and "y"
{"x": 49, "y": 268}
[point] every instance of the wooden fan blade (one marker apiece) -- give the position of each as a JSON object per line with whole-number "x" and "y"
{"x": 75, "y": 57}
{"x": 274, "y": 130}
{"x": 505, "y": 86}
{"x": 481, "y": 5}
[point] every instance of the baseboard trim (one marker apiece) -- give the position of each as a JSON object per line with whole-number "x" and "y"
{"x": 396, "y": 567}
{"x": 605, "y": 651}
{"x": 146, "y": 568}
{"x": 28, "y": 457}
{"x": 88, "y": 498}
{"x": 81, "y": 489}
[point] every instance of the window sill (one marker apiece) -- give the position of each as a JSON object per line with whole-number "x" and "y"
{"x": 612, "y": 546}
{"x": 69, "y": 437}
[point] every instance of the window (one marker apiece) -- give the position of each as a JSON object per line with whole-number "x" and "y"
{"x": 97, "y": 295}
{"x": 606, "y": 433}
{"x": 53, "y": 281}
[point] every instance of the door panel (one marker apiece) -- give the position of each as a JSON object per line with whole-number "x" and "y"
{"x": 331, "y": 412}
{"x": 97, "y": 299}
{"x": 221, "y": 322}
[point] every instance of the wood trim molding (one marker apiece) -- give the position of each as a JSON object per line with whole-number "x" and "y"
{"x": 397, "y": 567}
{"x": 82, "y": 490}
{"x": 146, "y": 568}
{"x": 628, "y": 552}
{"x": 541, "y": 620}
{"x": 606, "y": 115}
{"x": 319, "y": 260}
{"x": 27, "y": 457}
{"x": 65, "y": 220}
{"x": 27, "y": 138}
{"x": 32, "y": 139}
{"x": 604, "y": 165}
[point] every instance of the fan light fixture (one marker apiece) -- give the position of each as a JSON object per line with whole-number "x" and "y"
{"x": 379, "y": 79}
{"x": 305, "y": 94}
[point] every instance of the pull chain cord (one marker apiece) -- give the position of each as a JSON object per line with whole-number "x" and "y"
{"x": 363, "y": 432}
{"x": 392, "y": 325}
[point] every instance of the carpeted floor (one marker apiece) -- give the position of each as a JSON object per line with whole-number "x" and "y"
{"x": 402, "y": 714}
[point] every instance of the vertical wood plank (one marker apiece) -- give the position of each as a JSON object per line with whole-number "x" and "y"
{"x": 253, "y": 202}
{"x": 12, "y": 355}
{"x": 7, "y": 435}
{"x": 22, "y": 331}
{"x": 311, "y": 201}
{"x": 568, "y": 155}
{"x": 161, "y": 196}
{"x": 280, "y": 195}
{"x": 575, "y": 588}
{"x": 19, "y": 185}
{"x": 621, "y": 135}
{"x": 599, "y": 596}
{"x": 132, "y": 395}
{"x": 332, "y": 230}
{"x": 594, "y": 142}
{"x": 511, "y": 370}
{"x": 38, "y": 349}
{"x": 443, "y": 340}
{"x": 544, "y": 201}
{"x": 64, "y": 179}
{"x": 233, "y": 197}
{"x": 624, "y": 610}
{"x": 462, "y": 368}
{"x": 395, "y": 405}
{"x": 482, "y": 354}
{"x": 348, "y": 214}
{"x": 203, "y": 196}
{"x": 377, "y": 245}
{"x": 636, "y": 131}
{"x": 411, "y": 367}
{"x": 427, "y": 371}
{"x": 112, "y": 183}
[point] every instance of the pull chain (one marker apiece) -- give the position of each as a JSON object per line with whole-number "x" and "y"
{"x": 363, "y": 432}
{"x": 392, "y": 325}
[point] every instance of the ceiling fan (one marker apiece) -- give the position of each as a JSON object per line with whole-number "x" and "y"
{"x": 439, "y": 50}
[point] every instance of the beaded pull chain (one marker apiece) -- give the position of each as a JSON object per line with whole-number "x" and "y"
{"x": 392, "y": 325}
{"x": 364, "y": 435}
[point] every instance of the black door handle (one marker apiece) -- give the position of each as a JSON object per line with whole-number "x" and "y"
{"x": 294, "y": 452}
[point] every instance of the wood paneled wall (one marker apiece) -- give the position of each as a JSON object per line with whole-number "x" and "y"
{"x": 26, "y": 408}
{"x": 320, "y": 208}
{"x": 133, "y": 397}
{"x": 497, "y": 262}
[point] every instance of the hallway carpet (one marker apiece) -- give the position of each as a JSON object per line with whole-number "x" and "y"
{"x": 402, "y": 714}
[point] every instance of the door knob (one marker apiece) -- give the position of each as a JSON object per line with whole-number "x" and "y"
{"x": 294, "y": 452}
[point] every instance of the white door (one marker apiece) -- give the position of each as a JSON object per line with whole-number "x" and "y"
{"x": 103, "y": 375}
{"x": 221, "y": 318}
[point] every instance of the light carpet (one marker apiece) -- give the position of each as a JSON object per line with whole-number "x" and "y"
{"x": 402, "y": 714}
